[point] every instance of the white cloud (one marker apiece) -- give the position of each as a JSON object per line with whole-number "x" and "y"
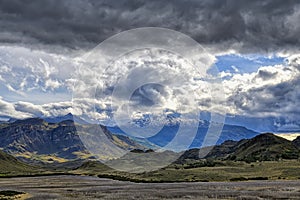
{"x": 8, "y": 109}
{"x": 52, "y": 84}
{"x": 271, "y": 91}
{"x": 29, "y": 108}
{"x": 235, "y": 68}
{"x": 24, "y": 70}
{"x": 144, "y": 81}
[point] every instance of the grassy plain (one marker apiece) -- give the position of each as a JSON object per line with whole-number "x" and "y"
{"x": 203, "y": 171}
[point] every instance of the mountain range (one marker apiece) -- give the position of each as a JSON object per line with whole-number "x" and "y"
{"x": 264, "y": 147}
{"x": 257, "y": 124}
{"x": 57, "y": 140}
{"x": 169, "y": 131}
{"x": 57, "y": 146}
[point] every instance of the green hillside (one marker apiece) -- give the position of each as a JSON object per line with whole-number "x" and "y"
{"x": 265, "y": 147}
{"x": 10, "y": 166}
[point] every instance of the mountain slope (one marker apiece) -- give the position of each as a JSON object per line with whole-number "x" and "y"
{"x": 37, "y": 139}
{"x": 263, "y": 147}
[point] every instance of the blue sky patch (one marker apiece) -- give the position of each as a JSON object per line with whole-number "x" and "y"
{"x": 235, "y": 63}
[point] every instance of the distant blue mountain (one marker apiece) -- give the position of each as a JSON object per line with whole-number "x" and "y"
{"x": 168, "y": 132}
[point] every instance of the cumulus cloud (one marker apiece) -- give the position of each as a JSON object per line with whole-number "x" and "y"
{"x": 29, "y": 108}
{"x": 147, "y": 82}
{"x": 8, "y": 110}
{"x": 271, "y": 91}
{"x": 23, "y": 69}
{"x": 80, "y": 107}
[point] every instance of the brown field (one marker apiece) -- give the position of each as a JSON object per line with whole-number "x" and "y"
{"x": 85, "y": 187}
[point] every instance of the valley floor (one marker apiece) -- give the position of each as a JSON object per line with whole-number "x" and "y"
{"x": 85, "y": 187}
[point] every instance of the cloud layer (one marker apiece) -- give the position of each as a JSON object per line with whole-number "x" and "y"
{"x": 271, "y": 91}
{"x": 243, "y": 26}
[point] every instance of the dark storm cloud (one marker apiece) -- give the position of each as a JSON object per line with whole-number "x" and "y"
{"x": 248, "y": 26}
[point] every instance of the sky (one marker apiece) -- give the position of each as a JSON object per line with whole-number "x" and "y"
{"x": 254, "y": 45}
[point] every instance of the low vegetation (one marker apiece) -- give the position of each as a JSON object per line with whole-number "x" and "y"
{"x": 202, "y": 171}
{"x": 10, "y": 194}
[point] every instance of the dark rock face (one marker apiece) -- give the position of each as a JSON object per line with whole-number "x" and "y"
{"x": 36, "y": 135}
{"x": 40, "y": 137}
